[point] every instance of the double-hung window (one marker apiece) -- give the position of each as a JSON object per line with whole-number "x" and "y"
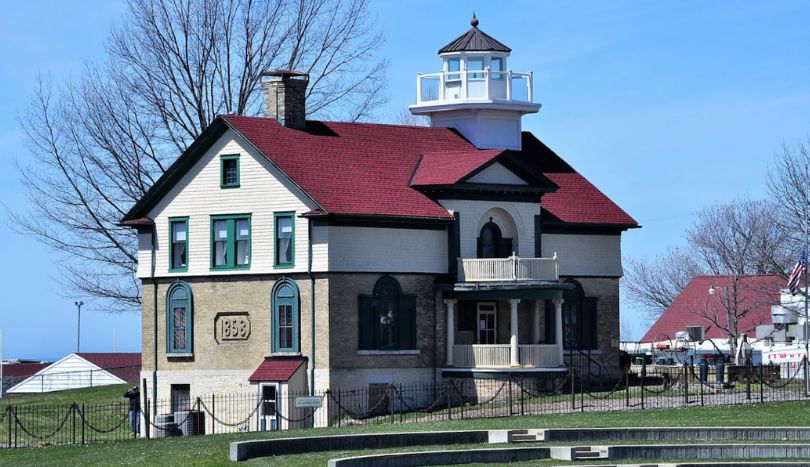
{"x": 285, "y": 239}
{"x": 178, "y": 244}
{"x": 229, "y": 171}
{"x": 230, "y": 241}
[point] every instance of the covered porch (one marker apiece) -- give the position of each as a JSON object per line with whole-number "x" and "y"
{"x": 509, "y": 320}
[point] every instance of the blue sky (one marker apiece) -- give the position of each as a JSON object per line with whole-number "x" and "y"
{"x": 667, "y": 107}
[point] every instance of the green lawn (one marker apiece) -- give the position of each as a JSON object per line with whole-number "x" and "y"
{"x": 213, "y": 450}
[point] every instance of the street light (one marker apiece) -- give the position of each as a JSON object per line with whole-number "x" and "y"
{"x": 732, "y": 346}
{"x": 79, "y": 326}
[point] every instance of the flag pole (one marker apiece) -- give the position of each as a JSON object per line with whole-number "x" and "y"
{"x": 804, "y": 257}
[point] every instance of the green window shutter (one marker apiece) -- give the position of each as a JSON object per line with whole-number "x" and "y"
{"x": 589, "y": 323}
{"x": 365, "y": 322}
{"x": 407, "y": 323}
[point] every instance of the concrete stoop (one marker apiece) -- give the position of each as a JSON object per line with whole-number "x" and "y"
{"x": 579, "y": 453}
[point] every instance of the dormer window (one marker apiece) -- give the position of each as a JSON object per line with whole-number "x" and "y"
{"x": 475, "y": 64}
{"x": 453, "y": 65}
{"x": 229, "y": 175}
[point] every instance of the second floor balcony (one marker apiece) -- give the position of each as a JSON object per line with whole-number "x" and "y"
{"x": 474, "y": 85}
{"x": 511, "y": 269}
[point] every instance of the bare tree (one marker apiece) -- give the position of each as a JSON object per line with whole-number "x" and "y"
{"x": 789, "y": 188}
{"x": 101, "y": 140}
{"x": 736, "y": 239}
{"x": 654, "y": 283}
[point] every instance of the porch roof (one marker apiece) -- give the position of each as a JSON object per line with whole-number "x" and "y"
{"x": 507, "y": 290}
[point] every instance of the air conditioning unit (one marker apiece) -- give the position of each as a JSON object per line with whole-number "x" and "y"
{"x": 696, "y": 333}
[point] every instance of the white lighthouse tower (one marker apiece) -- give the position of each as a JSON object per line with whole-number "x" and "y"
{"x": 476, "y": 92}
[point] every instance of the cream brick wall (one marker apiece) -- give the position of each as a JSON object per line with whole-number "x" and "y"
{"x": 249, "y": 294}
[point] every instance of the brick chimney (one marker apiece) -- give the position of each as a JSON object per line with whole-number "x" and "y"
{"x": 285, "y": 97}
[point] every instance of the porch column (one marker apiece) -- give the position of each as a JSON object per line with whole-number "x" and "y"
{"x": 513, "y": 342}
{"x": 536, "y": 322}
{"x": 559, "y": 328}
{"x": 451, "y": 329}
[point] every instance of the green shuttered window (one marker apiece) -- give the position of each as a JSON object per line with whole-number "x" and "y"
{"x": 387, "y": 318}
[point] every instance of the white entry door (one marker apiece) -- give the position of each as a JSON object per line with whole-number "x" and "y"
{"x": 487, "y": 323}
{"x": 270, "y": 405}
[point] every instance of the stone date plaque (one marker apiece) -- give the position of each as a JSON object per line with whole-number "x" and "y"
{"x": 233, "y": 326}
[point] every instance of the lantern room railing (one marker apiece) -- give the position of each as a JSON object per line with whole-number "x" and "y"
{"x": 472, "y": 85}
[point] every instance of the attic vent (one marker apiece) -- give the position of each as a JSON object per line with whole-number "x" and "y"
{"x": 696, "y": 333}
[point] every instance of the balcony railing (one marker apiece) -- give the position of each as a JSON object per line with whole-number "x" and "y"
{"x": 497, "y": 356}
{"x": 454, "y": 86}
{"x": 508, "y": 269}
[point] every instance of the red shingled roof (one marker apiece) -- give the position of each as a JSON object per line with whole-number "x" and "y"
{"x": 755, "y": 294}
{"x": 277, "y": 369}
{"x": 366, "y": 169}
{"x": 449, "y": 167}
{"x": 126, "y": 366}
{"x": 17, "y": 370}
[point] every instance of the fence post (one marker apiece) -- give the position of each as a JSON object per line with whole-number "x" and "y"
{"x": 73, "y": 423}
{"x": 627, "y": 387}
{"x": 145, "y": 406}
{"x": 509, "y": 395}
{"x": 213, "y": 413}
{"x": 761, "y": 385}
{"x": 84, "y": 417}
{"x": 340, "y": 410}
{"x": 701, "y": 389}
{"x": 748, "y": 379}
{"x": 522, "y": 392}
{"x": 582, "y": 390}
{"x": 685, "y": 383}
{"x": 804, "y": 363}
{"x": 643, "y": 377}
{"x": 9, "y": 411}
{"x": 572, "y": 374}
{"x": 447, "y": 399}
{"x": 391, "y": 402}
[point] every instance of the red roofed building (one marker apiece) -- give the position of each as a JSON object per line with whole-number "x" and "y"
{"x": 81, "y": 370}
{"x": 703, "y": 302}
{"x": 376, "y": 254}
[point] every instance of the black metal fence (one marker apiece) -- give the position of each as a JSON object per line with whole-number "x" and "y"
{"x": 636, "y": 388}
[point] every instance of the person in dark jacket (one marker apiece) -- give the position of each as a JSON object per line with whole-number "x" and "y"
{"x": 134, "y": 396}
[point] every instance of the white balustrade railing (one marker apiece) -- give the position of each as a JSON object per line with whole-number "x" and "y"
{"x": 539, "y": 355}
{"x": 498, "y": 356}
{"x": 466, "y": 85}
{"x": 508, "y": 269}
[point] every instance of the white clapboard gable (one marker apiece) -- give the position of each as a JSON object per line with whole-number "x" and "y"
{"x": 71, "y": 372}
{"x": 497, "y": 174}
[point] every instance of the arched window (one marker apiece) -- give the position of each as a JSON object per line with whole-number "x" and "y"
{"x": 285, "y": 317}
{"x": 179, "y": 318}
{"x": 491, "y": 243}
{"x": 387, "y": 318}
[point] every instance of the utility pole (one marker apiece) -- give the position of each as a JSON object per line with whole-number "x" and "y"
{"x": 79, "y": 326}
{"x": 2, "y": 381}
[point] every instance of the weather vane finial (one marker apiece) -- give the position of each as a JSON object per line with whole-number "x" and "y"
{"x": 474, "y": 21}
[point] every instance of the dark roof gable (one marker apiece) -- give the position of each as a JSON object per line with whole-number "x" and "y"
{"x": 475, "y": 40}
